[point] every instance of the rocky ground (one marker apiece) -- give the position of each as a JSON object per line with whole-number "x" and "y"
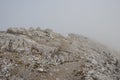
{"x": 35, "y": 54}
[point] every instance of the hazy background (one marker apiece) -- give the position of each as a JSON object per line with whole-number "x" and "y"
{"x": 98, "y": 19}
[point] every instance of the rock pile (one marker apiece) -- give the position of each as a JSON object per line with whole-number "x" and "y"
{"x": 35, "y": 54}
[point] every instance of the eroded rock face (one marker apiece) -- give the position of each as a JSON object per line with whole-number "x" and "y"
{"x": 35, "y": 54}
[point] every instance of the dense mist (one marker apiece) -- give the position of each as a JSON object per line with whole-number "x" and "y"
{"x": 97, "y": 19}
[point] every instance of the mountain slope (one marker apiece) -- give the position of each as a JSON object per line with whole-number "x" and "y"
{"x": 35, "y": 54}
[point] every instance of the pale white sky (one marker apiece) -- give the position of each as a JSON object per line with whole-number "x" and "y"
{"x": 97, "y": 19}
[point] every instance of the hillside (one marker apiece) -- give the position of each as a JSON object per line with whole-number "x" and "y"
{"x": 35, "y": 54}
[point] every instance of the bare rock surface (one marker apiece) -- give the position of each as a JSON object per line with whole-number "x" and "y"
{"x": 35, "y": 54}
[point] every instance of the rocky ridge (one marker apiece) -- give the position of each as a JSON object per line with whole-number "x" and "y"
{"x": 35, "y": 54}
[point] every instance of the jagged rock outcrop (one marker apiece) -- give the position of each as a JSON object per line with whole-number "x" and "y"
{"x": 35, "y": 54}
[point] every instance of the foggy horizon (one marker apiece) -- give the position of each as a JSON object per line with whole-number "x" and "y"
{"x": 96, "y": 19}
